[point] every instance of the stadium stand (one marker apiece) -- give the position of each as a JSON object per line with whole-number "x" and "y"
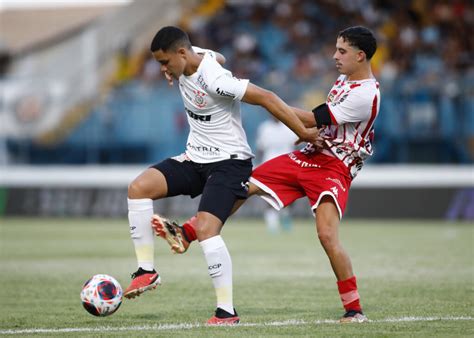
{"x": 424, "y": 65}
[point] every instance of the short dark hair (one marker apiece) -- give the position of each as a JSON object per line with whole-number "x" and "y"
{"x": 170, "y": 38}
{"x": 360, "y": 37}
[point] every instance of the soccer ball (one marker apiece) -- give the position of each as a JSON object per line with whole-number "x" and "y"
{"x": 101, "y": 295}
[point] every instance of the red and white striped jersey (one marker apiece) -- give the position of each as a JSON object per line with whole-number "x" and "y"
{"x": 353, "y": 106}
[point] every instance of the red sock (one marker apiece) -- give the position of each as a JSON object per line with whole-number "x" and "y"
{"x": 189, "y": 229}
{"x": 349, "y": 296}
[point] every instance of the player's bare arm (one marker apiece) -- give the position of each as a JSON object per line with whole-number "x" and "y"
{"x": 319, "y": 117}
{"x": 305, "y": 116}
{"x": 309, "y": 120}
{"x": 270, "y": 101}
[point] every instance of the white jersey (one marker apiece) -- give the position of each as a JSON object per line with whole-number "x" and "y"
{"x": 353, "y": 106}
{"x": 274, "y": 138}
{"x": 211, "y": 98}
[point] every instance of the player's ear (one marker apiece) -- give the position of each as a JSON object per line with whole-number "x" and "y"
{"x": 361, "y": 56}
{"x": 181, "y": 52}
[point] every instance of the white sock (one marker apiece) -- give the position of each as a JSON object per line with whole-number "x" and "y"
{"x": 140, "y": 212}
{"x": 220, "y": 269}
{"x": 272, "y": 219}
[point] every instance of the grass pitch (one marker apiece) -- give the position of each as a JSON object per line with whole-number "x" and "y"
{"x": 415, "y": 279}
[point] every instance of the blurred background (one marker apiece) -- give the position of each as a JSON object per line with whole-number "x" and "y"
{"x": 84, "y": 108}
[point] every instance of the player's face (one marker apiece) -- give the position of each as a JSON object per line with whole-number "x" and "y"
{"x": 347, "y": 57}
{"x": 172, "y": 62}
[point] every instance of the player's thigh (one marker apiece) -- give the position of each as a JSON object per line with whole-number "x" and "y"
{"x": 276, "y": 181}
{"x": 253, "y": 190}
{"x": 149, "y": 184}
{"x": 326, "y": 181}
{"x": 226, "y": 184}
{"x": 181, "y": 177}
{"x": 327, "y": 217}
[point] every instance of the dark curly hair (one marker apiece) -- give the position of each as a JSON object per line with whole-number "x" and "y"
{"x": 360, "y": 37}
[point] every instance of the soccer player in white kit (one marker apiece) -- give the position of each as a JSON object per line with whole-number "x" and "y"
{"x": 324, "y": 172}
{"x": 217, "y": 162}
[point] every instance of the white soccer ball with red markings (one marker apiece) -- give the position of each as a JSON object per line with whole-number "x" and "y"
{"x": 101, "y": 295}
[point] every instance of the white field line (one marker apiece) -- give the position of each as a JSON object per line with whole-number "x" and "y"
{"x": 186, "y": 326}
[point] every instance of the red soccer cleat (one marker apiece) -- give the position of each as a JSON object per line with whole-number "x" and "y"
{"x": 171, "y": 232}
{"x": 142, "y": 281}
{"x": 223, "y": 317}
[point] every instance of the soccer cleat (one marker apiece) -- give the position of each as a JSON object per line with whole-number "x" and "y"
{"x": 353, "y": 316}
{"x": 223, "y": 317}
{"x": 171, "y": 232}
{"x": 142, "y": 281}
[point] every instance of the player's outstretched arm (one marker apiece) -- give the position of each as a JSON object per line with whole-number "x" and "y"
{"x": 306, "y": 117}
{"x": 271, "y": 102}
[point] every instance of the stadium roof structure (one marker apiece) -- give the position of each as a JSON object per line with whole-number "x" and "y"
{"x": 26, "y": 29}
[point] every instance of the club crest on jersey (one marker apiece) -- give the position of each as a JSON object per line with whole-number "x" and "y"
{"x": 199, "y": 99}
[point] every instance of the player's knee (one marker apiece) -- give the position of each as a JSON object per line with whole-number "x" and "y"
{"x": 137, "y": 189}
{"x": 204, "y": 229}
{"x": 327, "y": 237}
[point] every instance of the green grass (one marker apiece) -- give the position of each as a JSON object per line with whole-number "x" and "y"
{"x": 404, "y": 269}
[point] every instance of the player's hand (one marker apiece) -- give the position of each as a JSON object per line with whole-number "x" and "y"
{"x": 168, "y": 78}
{"x": 310, "y": 135}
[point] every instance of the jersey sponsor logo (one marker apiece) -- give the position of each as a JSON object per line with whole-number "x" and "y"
{"x": 210, "y": 151}
{"x": 331, "y": 95}
{"x": 301, "y": 163}
{"x": 199, "y": 99}
{"x": 339, "y": 100}
{"x": 197, "y": 117}
{"x": 335, "y": 97}
{"x": 222, "y": 92}
{"x": 201, "y": 82}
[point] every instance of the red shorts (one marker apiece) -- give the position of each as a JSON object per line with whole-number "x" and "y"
{"x": 291, "y": 176}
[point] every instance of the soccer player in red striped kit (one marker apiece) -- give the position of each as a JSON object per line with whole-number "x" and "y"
{"x": 322, "y": 172}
